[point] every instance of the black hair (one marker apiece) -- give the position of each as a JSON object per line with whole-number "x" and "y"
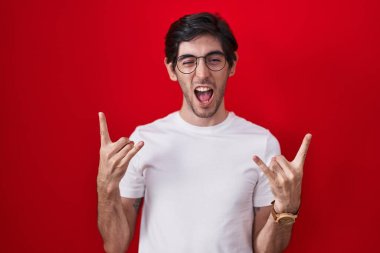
{"x": 191, "y": 26}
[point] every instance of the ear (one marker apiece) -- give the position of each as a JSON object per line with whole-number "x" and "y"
{"x": 171, "y": 72}
{"x": 233, "y": 68}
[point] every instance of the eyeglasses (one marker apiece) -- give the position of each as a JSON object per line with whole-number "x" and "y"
{"x": 187, "y": 64}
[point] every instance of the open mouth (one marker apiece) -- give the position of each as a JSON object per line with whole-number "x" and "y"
{"x": 203, "y": 94}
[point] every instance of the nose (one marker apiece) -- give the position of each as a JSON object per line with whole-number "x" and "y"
{"x": 202, "y": 70}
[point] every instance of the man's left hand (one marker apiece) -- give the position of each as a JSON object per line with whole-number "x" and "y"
{"x": 285, "y": 178}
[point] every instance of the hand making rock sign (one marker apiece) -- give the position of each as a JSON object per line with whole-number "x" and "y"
{"x": 114, "y": 157}
{"x": 285, "y": 178}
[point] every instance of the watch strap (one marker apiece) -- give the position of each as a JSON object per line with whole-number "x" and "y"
{"x": 290, "y": 217}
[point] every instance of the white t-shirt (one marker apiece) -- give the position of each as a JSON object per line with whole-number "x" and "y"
{"x": 199, "y": 184}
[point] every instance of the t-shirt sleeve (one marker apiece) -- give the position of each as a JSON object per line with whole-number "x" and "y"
{"x": 263, "y": 195}
{"x": 132, "y": 185}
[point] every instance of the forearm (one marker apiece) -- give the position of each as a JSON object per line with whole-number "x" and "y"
{"x": 273, "y": 238}
{"x": 112, "y": 221}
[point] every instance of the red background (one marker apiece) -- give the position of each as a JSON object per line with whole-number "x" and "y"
{"x": 304, "y": 66}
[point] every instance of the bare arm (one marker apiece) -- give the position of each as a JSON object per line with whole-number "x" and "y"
{"x": 269, "y": 236}
{"x": 116, "y": 215}
{"x": 116, "y": 222}
{"x": 131, "y": 208}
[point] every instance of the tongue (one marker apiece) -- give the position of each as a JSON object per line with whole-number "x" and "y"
{"x": 205, "y": 96}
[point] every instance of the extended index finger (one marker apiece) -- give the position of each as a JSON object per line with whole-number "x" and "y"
{"x": 301, "y": 154}
{"x": 104, "y": 135}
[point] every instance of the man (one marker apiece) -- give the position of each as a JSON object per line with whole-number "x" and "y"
{"x": 202, "y": 191}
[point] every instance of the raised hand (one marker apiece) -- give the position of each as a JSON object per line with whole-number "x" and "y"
{"x": 285, "y": 178}
{"x": 114, "y": 157}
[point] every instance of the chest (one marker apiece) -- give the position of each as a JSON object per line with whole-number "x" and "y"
{"x": 205, "y": 171}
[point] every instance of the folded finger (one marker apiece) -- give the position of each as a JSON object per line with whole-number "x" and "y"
{"x": 119, "y": 144}
{"x": 286, "y": 166}
{"x": 279, "y": 172}
{"x": 131, "y": 153}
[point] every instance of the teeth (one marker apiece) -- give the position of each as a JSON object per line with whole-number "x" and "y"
{"x": 202, "y": 89}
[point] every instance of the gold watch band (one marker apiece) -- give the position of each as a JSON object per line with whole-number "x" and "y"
{"x": 283, "y": 218}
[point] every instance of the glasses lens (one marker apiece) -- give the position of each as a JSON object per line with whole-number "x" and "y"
{"x": 187, "y": 64}
{"x": 215, "y": 62}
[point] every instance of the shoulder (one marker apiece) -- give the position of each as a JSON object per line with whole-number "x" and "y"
{"x": 156, "y": 127}
{"x": 252, "y": 130}
{"x": 244, "y": 126}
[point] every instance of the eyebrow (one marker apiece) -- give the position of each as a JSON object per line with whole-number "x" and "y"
{"x": 181, "y": 57}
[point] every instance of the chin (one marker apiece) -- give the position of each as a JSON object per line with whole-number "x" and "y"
{"x": 205, "y": 113}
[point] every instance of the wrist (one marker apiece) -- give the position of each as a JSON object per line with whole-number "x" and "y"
{"x": 281, "y": 208}
{"x": 108, "y": 190}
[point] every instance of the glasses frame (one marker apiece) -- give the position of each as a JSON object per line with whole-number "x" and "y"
{"x": 196, "y": 61}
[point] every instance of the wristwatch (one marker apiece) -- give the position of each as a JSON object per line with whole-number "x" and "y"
{"x": 283, "y": 218}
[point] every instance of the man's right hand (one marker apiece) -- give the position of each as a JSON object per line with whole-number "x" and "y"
{"x": 114, "y": 158}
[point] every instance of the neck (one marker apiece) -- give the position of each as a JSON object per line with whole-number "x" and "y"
{"x": 190, "y": 117}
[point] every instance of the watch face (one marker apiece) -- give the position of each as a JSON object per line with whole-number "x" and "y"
{"x": 286, "y": 220}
